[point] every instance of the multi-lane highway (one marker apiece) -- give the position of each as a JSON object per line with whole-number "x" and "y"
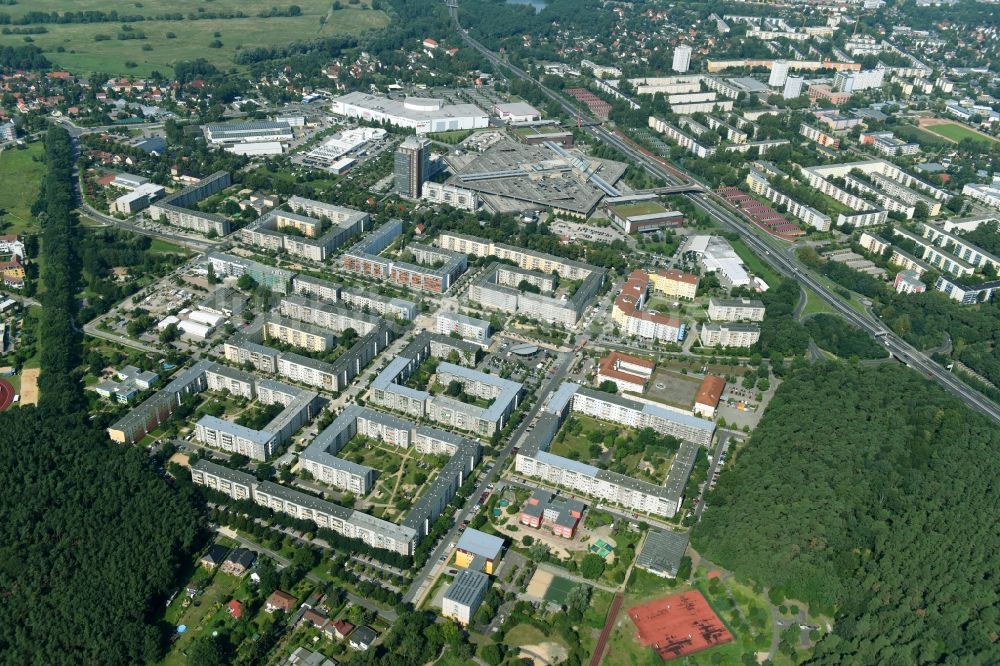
{"x": 787, "y": 265}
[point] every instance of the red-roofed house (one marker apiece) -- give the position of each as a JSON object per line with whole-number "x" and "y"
{"x": 342, "y": 628}
{"x": 279, "y": 600}
{"x": 627, "y": 313}
{"x": 315, "y": 618}
{"x": 709, "y": 395}
{"x": 629, "y": 373}
{"x": 235, "y": 609}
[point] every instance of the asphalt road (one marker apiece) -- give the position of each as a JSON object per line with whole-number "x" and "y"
{"x": 723, "y": 438}
{"x": 425, "y": 576}
{"x": 196, "y": 244}
{"x": 789, "y": 266}
{"x": 90, "y": 328}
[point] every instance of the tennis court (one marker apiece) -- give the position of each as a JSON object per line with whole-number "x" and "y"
{"x": 602, "y": 548}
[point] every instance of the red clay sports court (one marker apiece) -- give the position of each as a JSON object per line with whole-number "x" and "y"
{"x": 679, "y": 625}
{"x": 6, "y": 394}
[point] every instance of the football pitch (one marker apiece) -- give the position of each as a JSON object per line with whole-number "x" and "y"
{"x": 958, "y": 132}
{"x": 558, "y": 590}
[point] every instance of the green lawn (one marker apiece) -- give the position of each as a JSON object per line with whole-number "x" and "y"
{"x": 815, "y": 304}
{"x": 577, "y": 446}
{"x": 381, "y": 456}
{"x": 640, "y": 208}
{"x": 198, "y": 617}
{"x": 923, "y": 137}
{"x": 21, "y": 178}
{"x": 91, "y": 222}
{"x": 453, "y": 137}
{"x": 643, "y": 586}
{"x": 755, "y": 263}
{"x": 83, "y": 54}
{"x": 959, "y": 132}
{"x": 163, "y": 247}
{"x": 524, "y": 634}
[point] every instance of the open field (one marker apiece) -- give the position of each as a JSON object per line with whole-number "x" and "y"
{"x": 955, "y": 131}
{"x": 21, "y": 175}
{"x": 926, "y": 139}
{"x": 82, "y": 53}
{"x": 159, "y": 246}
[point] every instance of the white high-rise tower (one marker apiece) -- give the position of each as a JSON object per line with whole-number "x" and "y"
{"x": 682, "y": 58}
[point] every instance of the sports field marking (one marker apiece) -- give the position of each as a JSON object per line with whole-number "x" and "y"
{"x": 954, "y": 131}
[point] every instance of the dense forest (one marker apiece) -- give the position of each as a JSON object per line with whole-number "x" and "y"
{"x": 779, "y": 332}
{"x": 881, "y": 510}
{"x": 91, "y": 539}
{"x": 835, "y": 335}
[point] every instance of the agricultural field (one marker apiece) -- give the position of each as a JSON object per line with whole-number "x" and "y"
{"x": 96, "y": 47}
{"x": 21, "y": 174}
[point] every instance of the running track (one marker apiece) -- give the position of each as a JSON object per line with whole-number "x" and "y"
{"x": 6, "y": 394}
{"x": 609, "y": 625}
